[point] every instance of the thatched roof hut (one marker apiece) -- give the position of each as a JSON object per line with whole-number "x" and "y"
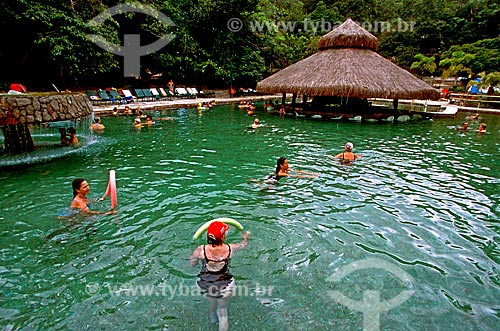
{"x": 347, "y": 65}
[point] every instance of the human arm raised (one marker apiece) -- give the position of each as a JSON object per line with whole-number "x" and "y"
{"x": 242, "y": 244}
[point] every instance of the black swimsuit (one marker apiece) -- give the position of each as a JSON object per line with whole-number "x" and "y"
{"x": 347, "y": 161}
{"x": 274, "y": 178}
{"x": 214, "y": 278}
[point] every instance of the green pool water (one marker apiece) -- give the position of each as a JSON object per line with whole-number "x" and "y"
{"x": 419, "y": 214}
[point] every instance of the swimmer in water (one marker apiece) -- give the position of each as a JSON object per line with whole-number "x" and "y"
{"x": 348, "y": 156}
{"x": 464, "y": 127}
{"x": 284, "y": 170}
{"x": 80, "y": 202}
{"x": 473, "y": 117}
{"x": 215, "y": 280}
{"x": 97, "y": 126}
{"x": 73, "y": 139}
{"x": 256, "y": 123}
{"x": 149, "y": 120}
{"x": 482, "y": 128}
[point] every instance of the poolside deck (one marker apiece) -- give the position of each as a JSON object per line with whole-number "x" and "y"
{"x": 106, "y": 110}
{"x": 433, "y": 107}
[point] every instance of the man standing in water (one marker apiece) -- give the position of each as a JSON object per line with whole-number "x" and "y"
{"x": 215, "y": 280}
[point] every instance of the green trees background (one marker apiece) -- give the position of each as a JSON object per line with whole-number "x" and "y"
{"x": 45, "y": 41}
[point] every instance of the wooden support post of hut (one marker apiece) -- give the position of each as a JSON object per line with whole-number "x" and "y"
{"x": 294, "y": 100}
{"x": 395, "y": 106}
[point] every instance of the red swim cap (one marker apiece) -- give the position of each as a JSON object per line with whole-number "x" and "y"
{"x": 216, "y": 230}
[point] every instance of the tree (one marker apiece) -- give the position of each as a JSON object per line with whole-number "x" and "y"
{"x": 491, "y": 79}
{"x": 53, "y": 43}
{"x": 483, "y": 55}
{"x": 424, "y": 64}
{"x": 456, "y": 63}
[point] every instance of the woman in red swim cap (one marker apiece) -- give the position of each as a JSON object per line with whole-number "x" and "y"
{"x": 214, "y": 279}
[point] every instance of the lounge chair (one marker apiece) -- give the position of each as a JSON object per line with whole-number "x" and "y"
{"x": 115, "y": 96}
{"x": 105, "y": 96}
{"x": 193, "y": 92}
{"x": 164, "y": 94}
{"x": 171, "y": 94}
{"x": 147, "y": 94}
{"x": 139, "y": 94}
{"x": 93, "y": 97}
{"x": 198, "y": 93}
{"x": 181, "y": 92}
{"x": 128, "y": 96}
{"x": 155, "y": 93}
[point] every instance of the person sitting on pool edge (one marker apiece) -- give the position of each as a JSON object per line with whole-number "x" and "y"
{"x": 283, "y": 170}
{"x": 80, "y": 190}
{"x": 348, "y": 156}
{"x": 215, "y": 280}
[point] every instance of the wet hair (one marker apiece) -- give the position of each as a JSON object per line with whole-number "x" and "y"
{"x": 76, "y": 185}
{"x": 279, "y": 163}
{"x": 214, "y": 242}
{"x": 71, "y": 130}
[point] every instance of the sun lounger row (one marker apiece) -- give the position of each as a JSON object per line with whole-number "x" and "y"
{"x": 113, "y": 96}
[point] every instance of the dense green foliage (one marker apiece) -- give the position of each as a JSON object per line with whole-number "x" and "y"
{"x": 45, "y": 41}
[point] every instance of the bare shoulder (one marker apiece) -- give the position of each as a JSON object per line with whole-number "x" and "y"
{"x": 198, "y": 250}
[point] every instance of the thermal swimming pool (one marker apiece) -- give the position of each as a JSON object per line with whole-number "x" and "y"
{"x": 418, "y": 213}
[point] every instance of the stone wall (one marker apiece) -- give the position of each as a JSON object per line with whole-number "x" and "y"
{"x": 33, "y": 108}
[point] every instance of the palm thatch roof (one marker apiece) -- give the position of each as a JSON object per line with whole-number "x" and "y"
{"x": 347, "y": 65}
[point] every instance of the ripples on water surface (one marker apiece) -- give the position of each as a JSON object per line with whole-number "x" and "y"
{"x": 424, "y": 198}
